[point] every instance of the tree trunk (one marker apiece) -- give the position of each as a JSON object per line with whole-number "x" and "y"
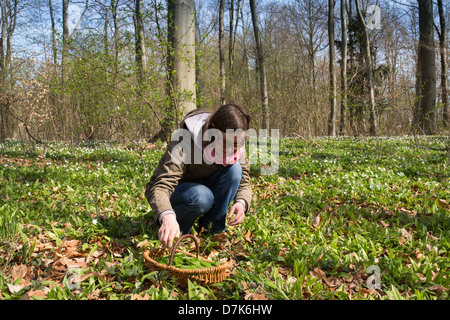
{"x": 3, "y": 73}
{"x": 262, "y": 70}
{"x": 8, "y": 20}
{"x": 65, "y": 49}
{"x": 370, "y": 84}
{"x": 332, "y": 92}
{"x": 444, "y": 64}
{"x": 222, "y": 53}
{"x": 169, "y": 110}
{"x": 3, "y": 41}
{"x": 64, "y": 72}
{"x": 232, "y": 38}
{"x": 114, "y": 12}
{"x": 426, "y": 70}
{"x": 105, "y": 35}
{"x": 198, "y": 67}
{"x": 183, "y": 80}
{"x": 141, "y": 58}
{"x": 231, "y": 44}
{"x": 10, "y": 28}
{"x": 181, "y": 61}
{"x": 245, "y": 60}
{"x": 115, "y": 117}
{"x": 352, "y": 62}
{"x": 54, "y": 48}
{"x": 344, "y": 50}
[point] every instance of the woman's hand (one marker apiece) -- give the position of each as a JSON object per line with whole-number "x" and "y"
{"x": 169, "y": 230}
{"x": 238, "y": 211}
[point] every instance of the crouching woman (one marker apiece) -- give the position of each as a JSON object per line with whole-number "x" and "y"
{"x": 186, "y": 187}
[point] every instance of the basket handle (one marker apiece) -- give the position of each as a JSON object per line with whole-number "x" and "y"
{"x": 176, "y": 245}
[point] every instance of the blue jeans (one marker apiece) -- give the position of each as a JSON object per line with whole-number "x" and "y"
{"x": 207, "y": 201}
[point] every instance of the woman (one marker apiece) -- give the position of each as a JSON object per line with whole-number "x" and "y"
{"x": 182, "y": 192}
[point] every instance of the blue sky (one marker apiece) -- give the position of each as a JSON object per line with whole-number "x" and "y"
{"x": 34, "y": 27}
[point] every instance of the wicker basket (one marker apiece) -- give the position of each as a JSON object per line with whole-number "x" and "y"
{"x": 201, "y": 276}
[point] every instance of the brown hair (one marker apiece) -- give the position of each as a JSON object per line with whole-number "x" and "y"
{"x": 229, "y": 116}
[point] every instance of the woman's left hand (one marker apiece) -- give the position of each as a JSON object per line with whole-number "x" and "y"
{"x": 238, "y": 211}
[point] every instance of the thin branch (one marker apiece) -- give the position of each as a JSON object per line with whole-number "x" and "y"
{"x": 79, "y": 20}
{"x": 405, "y": 4}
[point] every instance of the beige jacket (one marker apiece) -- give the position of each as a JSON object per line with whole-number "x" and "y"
{"x": 168, "y": 174}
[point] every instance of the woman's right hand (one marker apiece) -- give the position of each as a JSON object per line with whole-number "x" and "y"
{"x": 169, "y": 230}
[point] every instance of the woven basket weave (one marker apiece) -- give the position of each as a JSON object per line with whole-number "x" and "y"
{"x": 201, "y": 276}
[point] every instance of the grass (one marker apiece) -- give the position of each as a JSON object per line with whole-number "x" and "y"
{"x": 74, "y": 223}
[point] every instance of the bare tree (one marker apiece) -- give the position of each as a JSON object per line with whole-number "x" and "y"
{"x": 332, "y": 67}
{"x": 65, "y": 45}
{"x": 52, "y": 19}
{"x": 8, "y": 26}
{"x": 222, "y": 75}
{"x": 426, "y": 70}
{"x": 343, "y": 66}
{"x": 115, "y": 18}
{"x": 370, "y": 82}
{"x": 141, "y": 58}
{"x": 442, "y": 33}
{"x": 9, "y": 10}
{"x": 309, "y": 21}
{"x": 233, "y": 32}
{"x": 262, "y": 70}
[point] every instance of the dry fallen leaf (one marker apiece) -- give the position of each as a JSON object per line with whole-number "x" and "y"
{"x": 405, "y": 234}
{"x": 142, "y": 244}
{"x": 72, "y": 244}
{"x": 14, "y": 288}
{"x": 319, "y": 272}
{"x": 213, "y": 254}
{"x": 284, "y": 271}
{"x": 248, "y": 237}
{"x": 443, "y": 203}
{"x": 94, "y": 295}
{"x": 421, "y": 277}
{"x": 19, "y": 271}
{"x": 220, "y": 237}
{"x": 349, "y": 279}
{"x": 75, "y": 254}
{"x": 97, "y": 253}
{"x": 35, "y": 293}
{"x": 332, "y": 282}
{"x": 368, "y": 292}
{"x": 221, "y": 245}
{"x": 80, "y": 278}
{"x": 430, "y": 248}
{"x": 438, "y": 289}
{"x": 255, "y": 296}
{"x": 315, "y": 222}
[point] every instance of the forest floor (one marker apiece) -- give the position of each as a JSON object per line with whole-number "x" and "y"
{"x": 341, "y": 218}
